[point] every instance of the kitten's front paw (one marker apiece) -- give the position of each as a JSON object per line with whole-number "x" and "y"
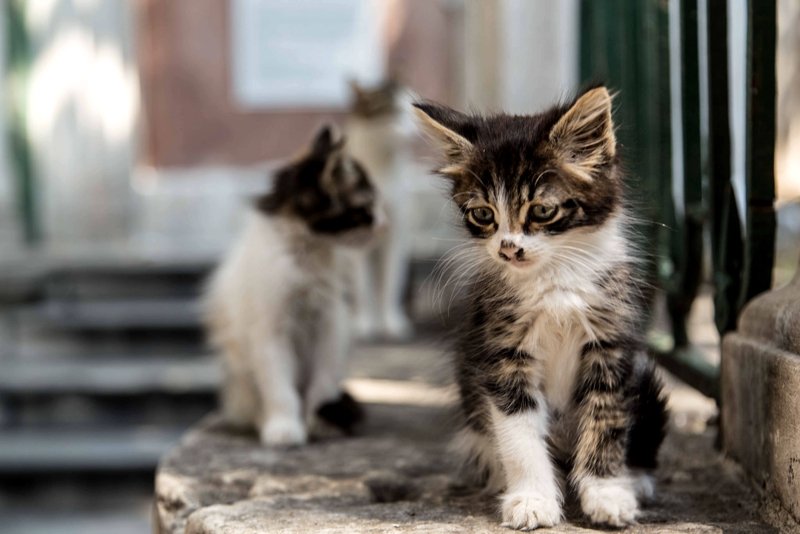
{"x": 530, "y": 510}
{"x": 609, "y": 501}
{"x": 283, "y": 432}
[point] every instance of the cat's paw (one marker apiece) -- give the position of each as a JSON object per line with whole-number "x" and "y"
{"x": 609, "y": 501}
{"x": 529, "y": 510}
{"x": 343, "y": 412}
{"x": 283, "y": 432}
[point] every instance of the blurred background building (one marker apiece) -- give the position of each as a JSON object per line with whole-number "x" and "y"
{"x": 137, "y": 111}
{"x": 133, "y": 133}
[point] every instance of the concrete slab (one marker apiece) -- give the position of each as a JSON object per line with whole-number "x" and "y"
{"x": 398, "y": 476}
{"x": 121, "y": 377}
{"x": 52, "y": 450}
{"x": 760, "y": 386}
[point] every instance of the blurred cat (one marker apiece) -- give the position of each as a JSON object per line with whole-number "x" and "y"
{"x": 378, "y": 130}
{"x": 275, "y": 305}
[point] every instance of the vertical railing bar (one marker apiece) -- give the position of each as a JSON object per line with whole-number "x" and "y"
{"x": 726, "y": 239}
{"x": 666, "y": 201}
{"x": 18, "y": 63}
{"x": 759, "y": 149}
{"x": 689, "y": 235}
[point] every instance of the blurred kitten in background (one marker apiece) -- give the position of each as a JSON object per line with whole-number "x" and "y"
{"x": 379, "y": 130}
{"x": 275, "y": 306}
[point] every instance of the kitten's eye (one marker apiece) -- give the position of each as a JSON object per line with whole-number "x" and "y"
{"x": 484, "y": 216}
{"x": 543, "y": 213}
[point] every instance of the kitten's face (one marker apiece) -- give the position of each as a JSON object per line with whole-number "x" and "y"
{"x": 328, "y": 191}
{"x": 531, "y": 188}
{"x": 373, "y": 102}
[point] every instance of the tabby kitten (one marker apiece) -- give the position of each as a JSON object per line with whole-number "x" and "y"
{"x": 551, "y": 367}
{"x": 275, "y": 306}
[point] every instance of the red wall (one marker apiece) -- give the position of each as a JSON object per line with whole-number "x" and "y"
{"x": 190, "y": 117}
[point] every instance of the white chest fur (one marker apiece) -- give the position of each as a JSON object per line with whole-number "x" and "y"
{"x": 556, "y": 337}
{"x": 558, "y": 300}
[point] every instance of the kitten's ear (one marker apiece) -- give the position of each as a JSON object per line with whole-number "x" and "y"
{"x": 355, "y": 88}
{"x": 583, "y": 137}
{"x": 325, "y": 141}
{"x": 449, "y": 128}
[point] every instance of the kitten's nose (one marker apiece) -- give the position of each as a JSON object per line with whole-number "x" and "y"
{"x": 509, "y": 251}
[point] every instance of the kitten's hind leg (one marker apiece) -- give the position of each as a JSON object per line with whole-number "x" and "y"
{"x": 343, "y": 413}
{"x": 239, "y": 400}
{"x": 480, "y": 464}
{"x": 238, "y": 396}
{"x": 324, "y": 398}
{"x": 649, "y": 412}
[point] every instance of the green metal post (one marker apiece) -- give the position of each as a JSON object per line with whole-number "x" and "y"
{"x": 688, "y": 238}
{"x": 19, "y": 58}
{"x": 726, "y": 242}
{"x": 760, "y": 149}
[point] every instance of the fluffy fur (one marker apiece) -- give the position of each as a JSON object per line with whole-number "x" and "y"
{"x": 275, "y": 307}
{"x": 551, "y": 366}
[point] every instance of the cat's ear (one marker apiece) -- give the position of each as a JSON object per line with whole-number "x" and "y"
{"x": 356, "y": 91}
{"x": 326, "y": 141}
{"x": 449, "y": 128}
{"x": 583, "y": 138}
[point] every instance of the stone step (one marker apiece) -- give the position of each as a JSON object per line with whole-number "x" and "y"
{"x": 167, "y": 314}
{"x": 99, "y": 272}
{"x": 118, "y": 377}
{"x": 31, "y": 522}
{"x": 52, "y": 450}
{"x": 125, "y": 281}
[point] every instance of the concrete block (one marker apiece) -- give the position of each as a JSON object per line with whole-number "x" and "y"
{"x": 761, "y": 393}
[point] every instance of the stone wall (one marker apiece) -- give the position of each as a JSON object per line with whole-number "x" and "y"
{"x": 761, "y": 393}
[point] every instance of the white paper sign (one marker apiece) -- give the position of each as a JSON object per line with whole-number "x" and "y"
{"x": 300, "y": 53}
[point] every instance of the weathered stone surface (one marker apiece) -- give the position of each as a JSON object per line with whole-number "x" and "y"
{"x": 774, "y": 317}
{"x": 397, "y": 476}
{"x": 760, "y": 393}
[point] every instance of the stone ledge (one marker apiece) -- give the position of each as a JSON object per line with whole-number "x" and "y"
{"x": 774, "y": 317}
{"x": 760, "y": 388}
{"x": 760, "y": 413}
{"x": 396, "y": 477}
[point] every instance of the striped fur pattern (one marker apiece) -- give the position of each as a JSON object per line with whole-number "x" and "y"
{"x": 275, "y": 305}
{"x": 552, "y": 367}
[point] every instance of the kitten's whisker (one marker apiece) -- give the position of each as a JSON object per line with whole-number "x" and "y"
{"x": 463, "y": 253}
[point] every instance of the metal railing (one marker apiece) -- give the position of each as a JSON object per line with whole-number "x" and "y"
{"x": 626, "y": 43}
{"x": 13, "y": 84}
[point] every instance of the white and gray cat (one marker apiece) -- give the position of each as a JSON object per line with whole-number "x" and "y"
{"x": 551, "y": 363}
{"x": 379, "y": 131}
{"x": 275, "y": 306}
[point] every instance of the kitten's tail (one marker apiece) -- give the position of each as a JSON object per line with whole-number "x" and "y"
{"x": 649, "y": 406}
